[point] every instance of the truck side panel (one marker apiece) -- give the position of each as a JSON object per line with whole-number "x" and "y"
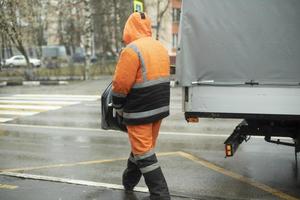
{"x": 238, "y": 41}
{"x": 240, "y": 57}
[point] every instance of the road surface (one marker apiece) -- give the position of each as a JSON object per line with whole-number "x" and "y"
{"x": 52, "y": 147}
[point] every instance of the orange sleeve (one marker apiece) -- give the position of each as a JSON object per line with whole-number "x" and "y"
{"x": 126, "y": 71}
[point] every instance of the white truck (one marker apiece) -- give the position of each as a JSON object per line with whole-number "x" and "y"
{"x": 241, "y": 59}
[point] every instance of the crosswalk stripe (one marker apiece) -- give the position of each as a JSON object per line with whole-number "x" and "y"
{"x": 18, "y": 102}
{"x": 58, "y": 95}
{"x": 47, "y": 98}
{"x": 18, "y": 105}
{"x": 17, "y": 112}
{"x": 5, "y": 119}
{"x": 29, "y": 107}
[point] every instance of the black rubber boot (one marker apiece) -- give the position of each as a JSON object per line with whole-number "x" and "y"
{"x": 131, "y": 175}
{"x": 153, "y": 176}
{"x": 157, "y": 185}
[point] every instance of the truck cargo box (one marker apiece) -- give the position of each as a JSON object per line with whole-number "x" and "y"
{"x": 240, "y": 58}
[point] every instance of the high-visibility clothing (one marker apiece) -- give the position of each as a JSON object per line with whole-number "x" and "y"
{"x": 147, "y": 165}
{"x": 132, "y": 174}
{"x": 141, "y": 84}
{"x": 143, "y": 137}
{"x": 141, "y": 87}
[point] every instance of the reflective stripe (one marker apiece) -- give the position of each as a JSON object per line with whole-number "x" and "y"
{"x": 151, "y": 82}
{"x": 145, "y": 155}
{"x": 137, "y": 51}
{"x": 118, "y": 94}
{"x": 148, "y": 113}
{"x": 149, "y": 168}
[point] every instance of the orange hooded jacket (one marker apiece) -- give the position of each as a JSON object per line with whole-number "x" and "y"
{"x": 141, "y": 80}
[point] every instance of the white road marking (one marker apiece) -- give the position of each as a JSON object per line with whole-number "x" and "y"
{"x": 29, "y": 107}
{"x": 39, "y": 102}
{"x": 51, "y": 97}
{"x": 5, "y": 119}
{"x": 59, "y": 95}
{"x": 48, "y": 98}
{"x": 60, "y": 127}
{"x": 193, "y": 134}
{"x": 31, "y": 104}
{"x": 17, "y": 112}
{"x": 98, "y": 130}
{"x": 71, "y": 181}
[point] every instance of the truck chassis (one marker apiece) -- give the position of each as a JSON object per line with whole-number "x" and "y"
{"x": 271, "y": 129}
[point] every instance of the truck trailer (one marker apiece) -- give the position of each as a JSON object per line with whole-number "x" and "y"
{"x": 241, "y": 59}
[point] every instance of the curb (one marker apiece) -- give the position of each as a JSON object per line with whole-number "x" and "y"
{"x": 32, "y": 83}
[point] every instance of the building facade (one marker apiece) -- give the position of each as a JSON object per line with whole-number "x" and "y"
{"x": 169, "y": 23}
{"x": 176, "y": 12}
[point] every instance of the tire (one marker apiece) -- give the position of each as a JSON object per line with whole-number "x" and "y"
{"x": 11, "y": 65}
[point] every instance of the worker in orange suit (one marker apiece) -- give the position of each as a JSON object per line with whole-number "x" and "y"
{"x": 141, "y": 93}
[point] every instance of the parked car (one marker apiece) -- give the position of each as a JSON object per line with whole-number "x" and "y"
{"x": 78, "y": 58}
{"x": 18, "y": 61}
{"x": 94, "y": 59}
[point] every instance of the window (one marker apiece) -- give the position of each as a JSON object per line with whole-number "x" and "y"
{"x": 176, "y": 14}
{"x": 19, "y": 58}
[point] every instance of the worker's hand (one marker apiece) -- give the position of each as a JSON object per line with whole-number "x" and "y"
{"x": 120, "y": 112}
{"x": 117, "y": 111}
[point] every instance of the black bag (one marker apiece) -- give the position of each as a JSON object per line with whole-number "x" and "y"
{"x": 110, "y": 120}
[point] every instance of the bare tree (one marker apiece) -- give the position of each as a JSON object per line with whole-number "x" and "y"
{"x": 160, "y": 14}
{"x": 158, "y": 10}
{"x": 109, "y": 20}
{"x": 72, "y": 23}
{"x": 87, "y": 34}
{"x": 11, "y": 23}
{"x": 15, "y": 16}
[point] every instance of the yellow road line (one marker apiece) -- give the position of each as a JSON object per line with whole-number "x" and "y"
{"x": 168, "y": 153}
{"x": 9, "y": 187}
{"x": 77, "y": 163}
{"x": 238, "y": 177}
{"x": 62, "y": 165}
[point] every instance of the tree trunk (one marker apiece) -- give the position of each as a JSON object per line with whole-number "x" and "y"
{"x": 116, "y": 38}
{"x": 160, "y": 15}
{"x": 87, "y": 37}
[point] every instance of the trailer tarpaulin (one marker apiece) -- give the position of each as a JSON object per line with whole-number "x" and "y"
{"x": 238, "y": 41}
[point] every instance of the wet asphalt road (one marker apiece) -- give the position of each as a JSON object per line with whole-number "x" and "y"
{"x": 63, "y": 153}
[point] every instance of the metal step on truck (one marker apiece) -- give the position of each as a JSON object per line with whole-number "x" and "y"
{"x": 241, "y": 59}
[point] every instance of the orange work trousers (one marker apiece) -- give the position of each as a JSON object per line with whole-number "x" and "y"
{"x": 143, "y": 137}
